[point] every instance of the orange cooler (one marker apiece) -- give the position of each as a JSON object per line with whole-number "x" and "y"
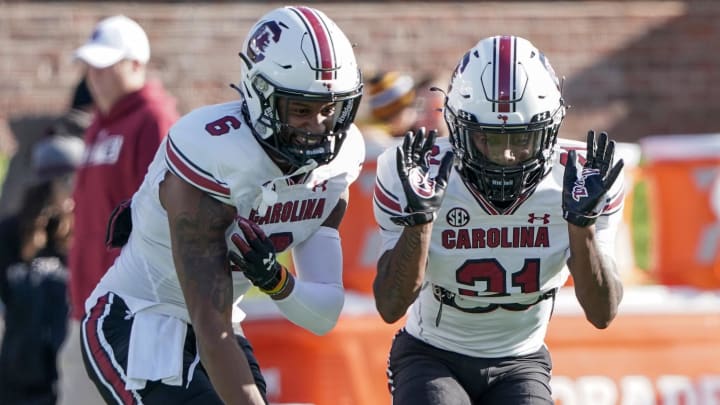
{"x": 682, "y": 173}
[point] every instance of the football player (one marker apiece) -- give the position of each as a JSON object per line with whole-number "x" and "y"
{"x": 478, "y": 229}
{"x": 256, "y": 176}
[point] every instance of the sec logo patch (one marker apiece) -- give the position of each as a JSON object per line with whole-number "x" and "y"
{"x": 457, "y": 217}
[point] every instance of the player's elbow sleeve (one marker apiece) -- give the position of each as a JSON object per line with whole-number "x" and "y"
{"x": 327, "y": 321}
{"x": 315, "y": 307}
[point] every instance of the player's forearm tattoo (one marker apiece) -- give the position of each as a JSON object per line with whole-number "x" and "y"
{"x": 400, "y": 279}
{"x": 406, "y": 266}
{"x": 200, "y": 242}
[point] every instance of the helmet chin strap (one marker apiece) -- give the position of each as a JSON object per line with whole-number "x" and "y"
{"x": 268, "y": 196}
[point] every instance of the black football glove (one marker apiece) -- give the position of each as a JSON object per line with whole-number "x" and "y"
{"x": 256, "y": 258}
{"x": 582, "y": 197}
{"x": 423, "y": 194}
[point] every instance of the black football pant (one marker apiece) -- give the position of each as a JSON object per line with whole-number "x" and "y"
{"x": 421, "y": 374}
{"x": 105, "y": 337}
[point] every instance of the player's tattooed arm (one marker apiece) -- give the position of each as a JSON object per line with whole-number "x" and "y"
{"x": 596, "y": 279}
{"x": 598, "y": 285}
{"x": 201, "y": 252}
{"x": 400, "y": 272}
{"x": 197, "y": 225}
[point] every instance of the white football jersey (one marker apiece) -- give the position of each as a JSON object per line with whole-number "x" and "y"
{"x": 495, "y": 269}
{"x": 213, "y": 149}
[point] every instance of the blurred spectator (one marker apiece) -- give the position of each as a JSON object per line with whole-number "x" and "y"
{"x": 392, "y": 95}
{"x": 399, "y": 104}
{"x": 429, "y": 102}
{"x": 133, "y": 116}
{"x": 391, "y": 111}
{"x": 28, "y": 131}
{"x": 33, "y": 248}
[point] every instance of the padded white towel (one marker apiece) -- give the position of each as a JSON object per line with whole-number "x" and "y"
{"x": 156, "y": 350}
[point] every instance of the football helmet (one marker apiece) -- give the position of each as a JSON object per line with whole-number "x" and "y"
{"x": 298, "y": 53}
{"x": 503, "y": 108}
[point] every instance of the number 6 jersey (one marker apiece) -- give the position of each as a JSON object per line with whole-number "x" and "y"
{"x": 491, "y": 277}
{"x": 213, "y": 149}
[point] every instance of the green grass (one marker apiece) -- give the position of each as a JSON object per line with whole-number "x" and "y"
{"x": 640, "y": 224}
{"x": 3, "y": 167}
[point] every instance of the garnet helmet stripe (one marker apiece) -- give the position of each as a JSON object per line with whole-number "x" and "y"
{"x": 321, "y": 41}
{"x": 506, "y": 55}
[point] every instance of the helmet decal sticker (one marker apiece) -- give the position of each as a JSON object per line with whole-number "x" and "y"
{"x": 261, "y": 38}
{"x": 550, "y": 69}
{"x": 463, "y": 63}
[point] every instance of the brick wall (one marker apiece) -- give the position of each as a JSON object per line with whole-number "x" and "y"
{"x": 634, "y": 68}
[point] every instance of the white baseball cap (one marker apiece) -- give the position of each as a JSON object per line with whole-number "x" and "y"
{"x": 114, "y": 39}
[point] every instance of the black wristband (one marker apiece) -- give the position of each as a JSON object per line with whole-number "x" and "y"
{"x": 416, "y": 218}
{"x": 582, "y": 221}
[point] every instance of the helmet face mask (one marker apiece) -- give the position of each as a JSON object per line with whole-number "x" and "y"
{"x": 503, "y": 110}
{"x": 295, "y": 140}
{"x": 298, "y": 55}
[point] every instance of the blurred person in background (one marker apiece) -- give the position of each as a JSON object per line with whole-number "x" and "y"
{"x": 391, "y": 98}
{"x": 429, "y": 102}
{"x": 33, "y": 274}
{"x": 478, "y": 229}
{"x": 399, "y": 104}
{"x": 19, "y": 173}
{"x": 163, "y": 324}
{"x": 132, "y": 117}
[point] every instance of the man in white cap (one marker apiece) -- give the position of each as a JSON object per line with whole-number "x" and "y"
{"x": 132, "y": 117}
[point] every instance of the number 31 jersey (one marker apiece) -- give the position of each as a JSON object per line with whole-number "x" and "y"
{"x": 491, "y": 276}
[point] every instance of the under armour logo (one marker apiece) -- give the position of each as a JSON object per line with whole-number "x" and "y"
{"x": 503, "y": 117}
{"x": 465, "y": 115}
{"x": 545, "y": 218}
{"x": 269, "y": 261}
{"x": 322, "y": 186}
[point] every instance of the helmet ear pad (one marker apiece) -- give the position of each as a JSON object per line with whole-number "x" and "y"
{"x": 504, "y": 91}
{"x": 298, "y": 53}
